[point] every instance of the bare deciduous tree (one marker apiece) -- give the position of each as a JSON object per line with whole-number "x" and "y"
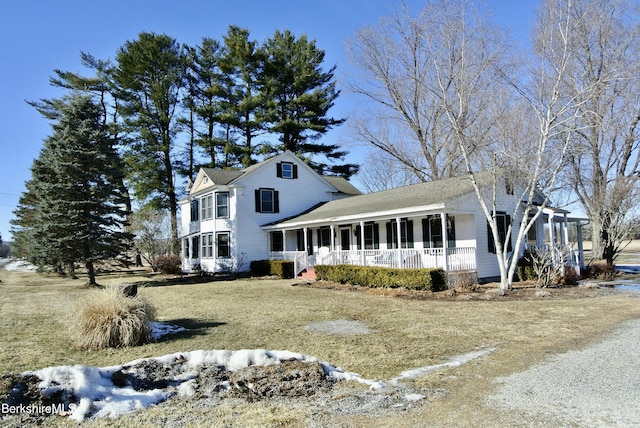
{"x": 604, "y": 162}
{"x": 406, "y": 62}
{"x": 381, "y": 171}
{"x": 446, "y": 79}
{"x": 152, "y": 230}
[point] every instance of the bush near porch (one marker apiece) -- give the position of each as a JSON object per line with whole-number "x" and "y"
{"x": 380, "y": 277}
{"x": 280, "y": 268}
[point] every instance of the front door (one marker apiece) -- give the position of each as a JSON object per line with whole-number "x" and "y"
{"x": 345, "y": 239}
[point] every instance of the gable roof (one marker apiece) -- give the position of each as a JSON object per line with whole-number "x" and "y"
{"x": 229, "y": 176}
{"x": 416, "y": 195}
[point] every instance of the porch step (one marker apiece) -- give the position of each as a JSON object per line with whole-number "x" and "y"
{"x": 309, "y": 274}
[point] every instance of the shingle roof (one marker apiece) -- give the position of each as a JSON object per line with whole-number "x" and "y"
{"x": 223, "y": 176}
{"x": 342, "y": 185}
{"x": 429, "y": 193}
{"x": 228, "y": 176}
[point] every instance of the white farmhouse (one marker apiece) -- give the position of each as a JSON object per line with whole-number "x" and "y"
{"x": 282, "y": 209}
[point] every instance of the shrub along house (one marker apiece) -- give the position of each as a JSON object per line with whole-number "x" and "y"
{"x": 282, "y": 209}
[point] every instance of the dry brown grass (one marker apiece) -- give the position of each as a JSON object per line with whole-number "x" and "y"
{"x": 407, "y": 333}
{"x": 107, "y": 318}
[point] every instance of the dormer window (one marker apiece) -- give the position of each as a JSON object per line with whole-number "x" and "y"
{"x": 287, "y": 170}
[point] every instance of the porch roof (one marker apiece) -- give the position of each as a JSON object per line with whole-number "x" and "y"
{"x": 400, "y": 201}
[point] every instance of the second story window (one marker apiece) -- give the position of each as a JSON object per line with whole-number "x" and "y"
{"x": 206, "y": 205}
{"x": 287, "y": 170}
{"x": 222, "y": 205}
{"x": 267, "y": 201}
{"x": 195, "y": 210}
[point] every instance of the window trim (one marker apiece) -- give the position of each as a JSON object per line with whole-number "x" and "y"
{"x": 219, "y": 206}
{"x": 371, "y": 236}
{"x": 291, "y": 172}
{"x": 503, "y": 221}
{"x": 195, "y": 209}
{"x": 206, "y": 207}
{"x": 227, "y": 254}
{"x": 275, "y": 201}
{"x": 406, "y": 234}
{"x": 433, "y": 223}
{"x": 207, "y": 245}
{"x": 276, "y": 241}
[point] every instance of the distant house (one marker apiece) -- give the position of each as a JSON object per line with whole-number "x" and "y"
{"x": 282, "y": 209}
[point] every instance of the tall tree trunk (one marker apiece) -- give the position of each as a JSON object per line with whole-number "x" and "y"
{"x": 91, "y": 274}
{"x": 173, "y": 204}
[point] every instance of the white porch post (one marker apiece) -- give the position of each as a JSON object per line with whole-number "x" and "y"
{"x": 445, "y": 240}
{"x": 333, "y": 237}
{"x": 363, "y": 259}
{"x": 552, "y": 237}
{"x": 284, "y": 240}
{"x": 399, "y": 243}
{"x": 566, "y": 230}
{"x": 305, "y": 240}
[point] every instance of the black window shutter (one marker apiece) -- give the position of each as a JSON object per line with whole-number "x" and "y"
{"x": 426, "y": 239}
{"x": 390, "y": 243}
{"x": 358, "y": 237}
{"x": 492, "y": 244}
{"x": 295, "y": 171}
{"x": 258, "y": 208}
{"x": 409, "y": 233}
{"x": 279, "y": 169}
{"x": 276, "y": 201}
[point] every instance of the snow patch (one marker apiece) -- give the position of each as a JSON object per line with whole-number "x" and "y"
{"x": 160, "y": 329}
{"x": 455, "y": 361}
{"x": 96, "y": 395}
{"x": 20, "y": 266}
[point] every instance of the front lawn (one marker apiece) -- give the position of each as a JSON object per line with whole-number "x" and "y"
{"x": 272, "y": 314}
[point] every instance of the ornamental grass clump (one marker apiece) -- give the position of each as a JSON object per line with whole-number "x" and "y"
{"x": 109, "y": 319}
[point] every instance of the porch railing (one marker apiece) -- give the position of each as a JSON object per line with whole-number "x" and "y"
{"x": 299, "y": 258}
{"x": 457, "y": 259}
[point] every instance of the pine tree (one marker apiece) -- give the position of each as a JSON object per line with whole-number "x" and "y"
{"x": 150, "y": 78}
{"x": 73, "y": 210}
{"x": 243, "y": 101}
{"x": 302, "y": 94}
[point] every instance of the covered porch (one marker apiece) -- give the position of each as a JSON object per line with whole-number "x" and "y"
{"x": 434, "y": 239}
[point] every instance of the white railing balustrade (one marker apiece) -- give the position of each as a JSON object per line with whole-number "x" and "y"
{"x": 458, "y": 259}
{"x": 299, "y": 258}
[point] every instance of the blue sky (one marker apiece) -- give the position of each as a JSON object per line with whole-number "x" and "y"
{"x": 40, "y": 36}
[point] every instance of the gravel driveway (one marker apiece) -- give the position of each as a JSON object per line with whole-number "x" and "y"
{"x": 597, "y": 386}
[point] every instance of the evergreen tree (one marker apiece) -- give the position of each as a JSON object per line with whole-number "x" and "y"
{"x": 302, "y": 94}
{"x": 150, "y": 76}
{"x": 244, "y": 103}
{"x": 73, "y": 209}
{"x": 209, "y": 104}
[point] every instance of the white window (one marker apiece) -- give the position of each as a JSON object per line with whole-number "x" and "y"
{"x": 206, "y": 205}
{"x": 267, "y": 201}
{"x": 222, "y": 205}
{"x": 287, "y": 170}
{"x": 207, "y": 245}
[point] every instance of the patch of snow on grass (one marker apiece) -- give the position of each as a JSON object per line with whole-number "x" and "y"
{"x": 160, "y": 329}
{"x": 95, "y": 394}
{"x": 454, "y": 361}
{"x": 20, "y": 266}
